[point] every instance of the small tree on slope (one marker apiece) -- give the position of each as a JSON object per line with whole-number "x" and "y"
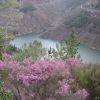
{"x": 67, "y": 48}
{"x": 72, "y": 45}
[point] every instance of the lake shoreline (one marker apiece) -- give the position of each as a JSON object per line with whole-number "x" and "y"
{"x": 87, "y": 54}
{"x": 56, "y": 39}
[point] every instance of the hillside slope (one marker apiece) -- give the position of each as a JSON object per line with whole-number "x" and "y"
{"x": 40, "y": 15}
{"x": 85, "y": 21}
{"x": 54, "y": 19}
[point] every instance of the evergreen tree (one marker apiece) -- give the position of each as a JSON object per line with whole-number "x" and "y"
{"x": 72, "y": 45}
{"x": 34, "y": 50}
{"x": 9, "y": 11}
{"x": 61, "y": 50}
{"x": 67, "y": 48}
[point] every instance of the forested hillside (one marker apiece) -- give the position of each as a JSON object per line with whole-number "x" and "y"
{"x": 84, "y": 20}
{"x": 54, "y": 19}
{"x": 39, "y": 15}
{"x": 87, "y": 24}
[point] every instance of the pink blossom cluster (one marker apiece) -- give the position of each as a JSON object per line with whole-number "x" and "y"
{"x": 82, "y": 94}
{"x": 64, "y": 88}
{"x": 42, "y": 80}
{"x": 73, "y": 61}
{"x": 43, "y": 70}
{"x": 28, "y": 61}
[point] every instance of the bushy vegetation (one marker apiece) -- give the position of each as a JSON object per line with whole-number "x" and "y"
{"x": 88, "y": 76}
{"x": 62, "y": 78}
{"x": 68, "y": 48}
{"x": 51, "y": 79}
{"x": 12, "y": 49}
{"x": 34, "y": 50}
{"x": 42, "y": 80}
{"x": 4, "y": 94}
{"x": 56, "y": 79}
{"x": 9, "y": 3}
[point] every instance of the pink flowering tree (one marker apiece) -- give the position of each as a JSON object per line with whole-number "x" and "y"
{"x": 42, "y": 80}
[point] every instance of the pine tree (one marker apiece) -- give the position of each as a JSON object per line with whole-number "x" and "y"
{"x": 67, "y": 48}
{"x": 72, "y": 45}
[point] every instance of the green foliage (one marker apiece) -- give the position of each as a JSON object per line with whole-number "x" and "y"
{"x": 34, "y": 50}
{"x": 1, "y": 45}
{"x": 5, "y": 39}
{"x": 12, "y": 49}
{"x": 67, "y": 48}
{"x": 72, "y": 45}
{"x": 9, "y": 3}
{"x": 61, "y": 51}
{"x": 88, "y": 76}
{"x": 4, "y": 94}
{"x": 9, "y": 9}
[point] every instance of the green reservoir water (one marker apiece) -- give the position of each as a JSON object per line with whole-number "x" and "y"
{"x": 87, "y": 54}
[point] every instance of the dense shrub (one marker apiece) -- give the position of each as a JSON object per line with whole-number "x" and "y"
{"x": 42, "y": 80}
{"x": 34, "y": 50}
{"x": 88, "y": 76}
{"x": 12, "y": 49}
{"x": 67, "y": 48}
{"x": 4, "y": 93}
